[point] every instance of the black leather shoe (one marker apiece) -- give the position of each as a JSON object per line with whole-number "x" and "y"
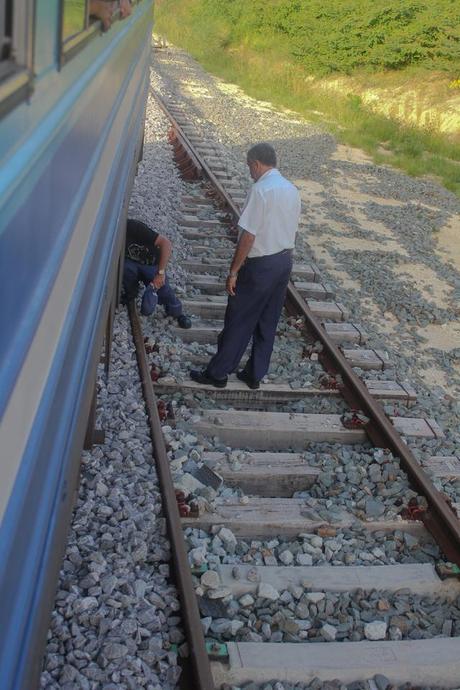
{"x": 184, "y": 321}
{"x": 202, "y": 376}
{"x": 248, "y": 380}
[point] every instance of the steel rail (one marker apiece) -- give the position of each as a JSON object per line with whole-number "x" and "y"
{"x": 202, "y": 164}
{"x": 198, "y": 655}
{"x": 183, "y": 139}
{"x": 439, "y": 518}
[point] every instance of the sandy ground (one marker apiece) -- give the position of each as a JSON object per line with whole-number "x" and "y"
{"x": 420, "y": 275}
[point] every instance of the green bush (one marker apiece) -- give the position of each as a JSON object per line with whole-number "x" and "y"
{"x": 271, "y": 48}
{"x": 329, "y": 36}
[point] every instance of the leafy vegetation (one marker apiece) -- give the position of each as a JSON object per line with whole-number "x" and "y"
{"x": 283, "y": 50}
{"x": 328, "y": 36}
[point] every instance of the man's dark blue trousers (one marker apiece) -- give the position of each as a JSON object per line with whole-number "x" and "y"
{"x": 254, "y": 313}
{"x": 134, "y": 272}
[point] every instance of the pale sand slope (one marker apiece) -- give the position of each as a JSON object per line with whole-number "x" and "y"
{"x": 420, "y": 275}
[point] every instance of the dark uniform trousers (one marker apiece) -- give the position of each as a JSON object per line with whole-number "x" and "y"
{"x": 133, "y": 272}
{"x": 254, "y": 312}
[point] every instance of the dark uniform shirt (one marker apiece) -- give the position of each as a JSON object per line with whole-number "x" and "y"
{"x": 140, "y": 243}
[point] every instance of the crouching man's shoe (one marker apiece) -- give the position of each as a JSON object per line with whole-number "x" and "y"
{"x": 202, "y": 376}
{"x": 248, "y": 380}
{"x": 184, "y": 321}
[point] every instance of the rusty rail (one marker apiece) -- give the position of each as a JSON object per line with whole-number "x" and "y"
{"x": 439, "y": 519}
{"x": 198, "y": 656}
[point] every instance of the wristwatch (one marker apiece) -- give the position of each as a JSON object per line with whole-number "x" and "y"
{"x": 233, "y": 274}
{"x": 161, "y": 272}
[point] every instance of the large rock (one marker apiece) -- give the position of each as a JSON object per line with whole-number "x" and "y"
{"x": 266, "y": 591}
{"x": 286, "y": 557}
{"x": 197, "y": 556}
{"x": 328, "y": 632}
{"x": 210, "y": 579}
{"x": 246, "y": 600}
{"x": 221, "y": 626}
{"x": 315, "y": 597}
{"x": 228, "y": 539}
{"x": 375, "y": 630}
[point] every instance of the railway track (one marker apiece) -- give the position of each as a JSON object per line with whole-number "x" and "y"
{"x": 271, "y": 559}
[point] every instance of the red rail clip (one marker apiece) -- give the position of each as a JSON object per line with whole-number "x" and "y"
{"x": 162, "y": 410}
{"x": 151, "y": 346}
{"x": 184, "y": 509}
{"x": 355, "y": 419}
{"x": 414, "y": 510}
{"x": 154, "y": 373}
{"x": 331, "y": 382}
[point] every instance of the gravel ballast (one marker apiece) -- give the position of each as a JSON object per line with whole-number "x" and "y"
{"x": 410, "y": 211}
{"x": 372, "y": 230}
{"x": 116, "y": 612}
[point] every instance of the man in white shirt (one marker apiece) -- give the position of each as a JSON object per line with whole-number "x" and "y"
{"x": 259, "y": 274}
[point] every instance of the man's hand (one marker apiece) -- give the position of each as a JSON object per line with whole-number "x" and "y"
{"x": 158, "y": 281}
{"x": 242, "y": 250}
{"x": 103, "y": 10}
{"x": 125, "y": 8}
{"x": 230, "y": 285}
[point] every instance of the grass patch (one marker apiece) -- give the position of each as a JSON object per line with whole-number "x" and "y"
{"x": 262, "y": 63}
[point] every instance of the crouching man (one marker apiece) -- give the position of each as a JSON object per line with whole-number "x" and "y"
{"x": 146, "y": 257}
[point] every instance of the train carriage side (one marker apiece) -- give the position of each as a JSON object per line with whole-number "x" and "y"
{"x": 71, "y": 125}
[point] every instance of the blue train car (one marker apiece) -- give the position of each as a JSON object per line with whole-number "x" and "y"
{"x": 72, "y": 105}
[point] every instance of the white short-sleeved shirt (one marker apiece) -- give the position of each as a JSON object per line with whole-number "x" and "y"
{"x": 271, "y": 213}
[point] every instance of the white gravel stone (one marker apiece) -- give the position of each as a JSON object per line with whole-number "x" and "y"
{"x": 85, "y": 604}
{"x": 235, "y": 626}
{"x": 304, "y": 559}
{"x": 286, "y": 557}
{"x": 375, "y": 630}
{"x": 210, "y": 579}
{"x": 221, "y": 626}
{"x": 228, "y": 538}
{"x": 267, "y": 591}
{"x": 198, "y": 556}
{"x": 328, "y": 632}
{"x": 315, "y": 597}
{"x": 246, "y": 600}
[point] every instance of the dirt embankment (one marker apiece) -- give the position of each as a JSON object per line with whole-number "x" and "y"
{"x": 431, "y": 103}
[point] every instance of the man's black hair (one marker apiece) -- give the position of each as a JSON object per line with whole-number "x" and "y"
{"x": 264, "y": 153}
{"x": 132, "y": 223}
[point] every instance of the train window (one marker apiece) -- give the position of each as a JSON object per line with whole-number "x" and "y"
{"x": 75, "y": 27}
{"x": 83, "y": 19}
{"x": 15, "y": 50}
